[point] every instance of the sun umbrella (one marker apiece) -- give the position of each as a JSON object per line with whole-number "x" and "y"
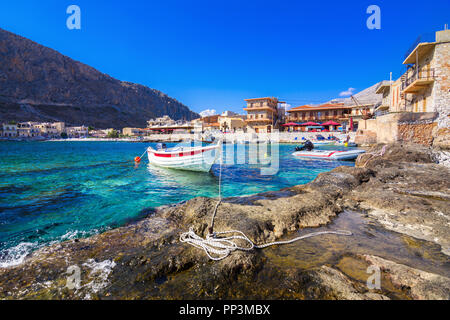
{"x": 310, "y": 124}
{"x": 331, "y": 123}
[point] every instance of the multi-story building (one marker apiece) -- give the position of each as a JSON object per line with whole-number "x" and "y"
{"x": 162, "y": 121}
{"x": 332, "y": 111}
{"x": 50, "y": 130}
{"x": 77, "y": 132}
{"x": 207, "y": 123}
{"x": 9, "y": 130}
{"x": 27, "y": 129}
{"x": 262, "y": 114}
{"x": 425, "y": 86}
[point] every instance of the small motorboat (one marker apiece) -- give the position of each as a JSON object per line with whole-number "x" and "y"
{"x": 346, "y": 144}
{"x": 199, "y": 158}
{"x": 329, "y": 154}
{"x": 323, "y": 142}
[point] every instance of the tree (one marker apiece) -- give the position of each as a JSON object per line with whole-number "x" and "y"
{"x": 113, "y": 134}
{"x": 64, "y": 135}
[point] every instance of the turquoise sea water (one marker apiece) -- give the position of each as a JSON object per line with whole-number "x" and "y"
{"x": 55, "y": 191}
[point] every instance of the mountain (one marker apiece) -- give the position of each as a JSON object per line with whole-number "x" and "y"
{"x": 40, "y": 84}
{"x": 366, "y": 96}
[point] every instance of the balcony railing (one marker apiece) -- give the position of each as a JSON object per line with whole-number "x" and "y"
{"x": 426, "y": 37}
{"x": 422, "y": 74}
{"x": 316, "y": 118}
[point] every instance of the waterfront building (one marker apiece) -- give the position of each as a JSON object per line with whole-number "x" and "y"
{"x": 27, "y": 129}
{"x": 229, "y": 114}
{"x": 134, "y": 132}
{"x": 262, "y": 114}
{"x": 425, "y": 85}
{"x": 419, "y": 99}
{"x": 50, "y": 130}
{"x": 207, "y": 123}
{"x": 384, "y": 88}
{"x": 337, "y": 112}
{"x": 427, "y": 79}
{"x": 161, "y": 121}
{"x": 9, "y": 130}
{"x": 77, "y": 132}
{"x": 232, "y": 123}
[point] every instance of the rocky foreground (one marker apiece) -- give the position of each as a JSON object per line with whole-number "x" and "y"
{"x": 403, "y": 193}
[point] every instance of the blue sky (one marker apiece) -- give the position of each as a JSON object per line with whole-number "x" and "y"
{"x": 214, "y": 54}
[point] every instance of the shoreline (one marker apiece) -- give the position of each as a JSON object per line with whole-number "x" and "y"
{"x": 282, "y": 137}
{"x": 149, "y": 249}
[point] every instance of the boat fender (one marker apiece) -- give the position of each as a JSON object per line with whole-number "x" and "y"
{"x": 137, "y": 159}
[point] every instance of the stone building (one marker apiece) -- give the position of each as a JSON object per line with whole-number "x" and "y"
{"x": 232, "y": 123}
{"x": 27, "y": 129}
{"x": 77, "y": 132}
{"x": 426, "y": 83}
{"x": 419, "y": 101}
{"x": 331, "y": 111}
{"x": 262, "y": 114}
{"x": 134, "y": 132}
{"x": 9, "y": 130}
{"x": 161, "y": 121}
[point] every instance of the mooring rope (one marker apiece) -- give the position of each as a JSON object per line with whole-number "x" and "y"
{"x": 219, "y": 248}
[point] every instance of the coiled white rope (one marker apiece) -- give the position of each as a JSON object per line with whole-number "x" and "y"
{"x": 219, "y": 248}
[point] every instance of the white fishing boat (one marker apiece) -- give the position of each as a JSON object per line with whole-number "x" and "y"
{"x": 329, "y": 154}
{"x": 199, "y": 158}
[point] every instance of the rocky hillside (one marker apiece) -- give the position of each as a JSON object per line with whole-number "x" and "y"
{"x": 40, "y": 84}
{"x": 366, "y": 96}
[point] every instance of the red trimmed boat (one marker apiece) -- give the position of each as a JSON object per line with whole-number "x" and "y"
{"x": 185, "y": 158}
{"x": 329, "y": 154}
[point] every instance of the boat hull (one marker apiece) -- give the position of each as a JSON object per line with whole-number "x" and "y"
{"x": 198, "y": 159}
{"x": 329, "y": 154}
{"x": 323, "y": 143}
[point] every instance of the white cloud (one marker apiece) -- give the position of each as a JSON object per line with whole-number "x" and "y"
{"x": 208, "y": 112}
{"x": 347, "y": 93}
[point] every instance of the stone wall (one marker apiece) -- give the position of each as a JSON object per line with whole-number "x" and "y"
{"x": 414, "y": 127}
{"x": 441, "y": 90}
{"x": 416, "y": 133}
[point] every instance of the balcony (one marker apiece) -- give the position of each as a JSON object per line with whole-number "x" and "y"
{"x": 418, "y": 80}
{"x": 260, "y": 107}
{"x": 265, "y": 119}
{"x": 423, "y": 45}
